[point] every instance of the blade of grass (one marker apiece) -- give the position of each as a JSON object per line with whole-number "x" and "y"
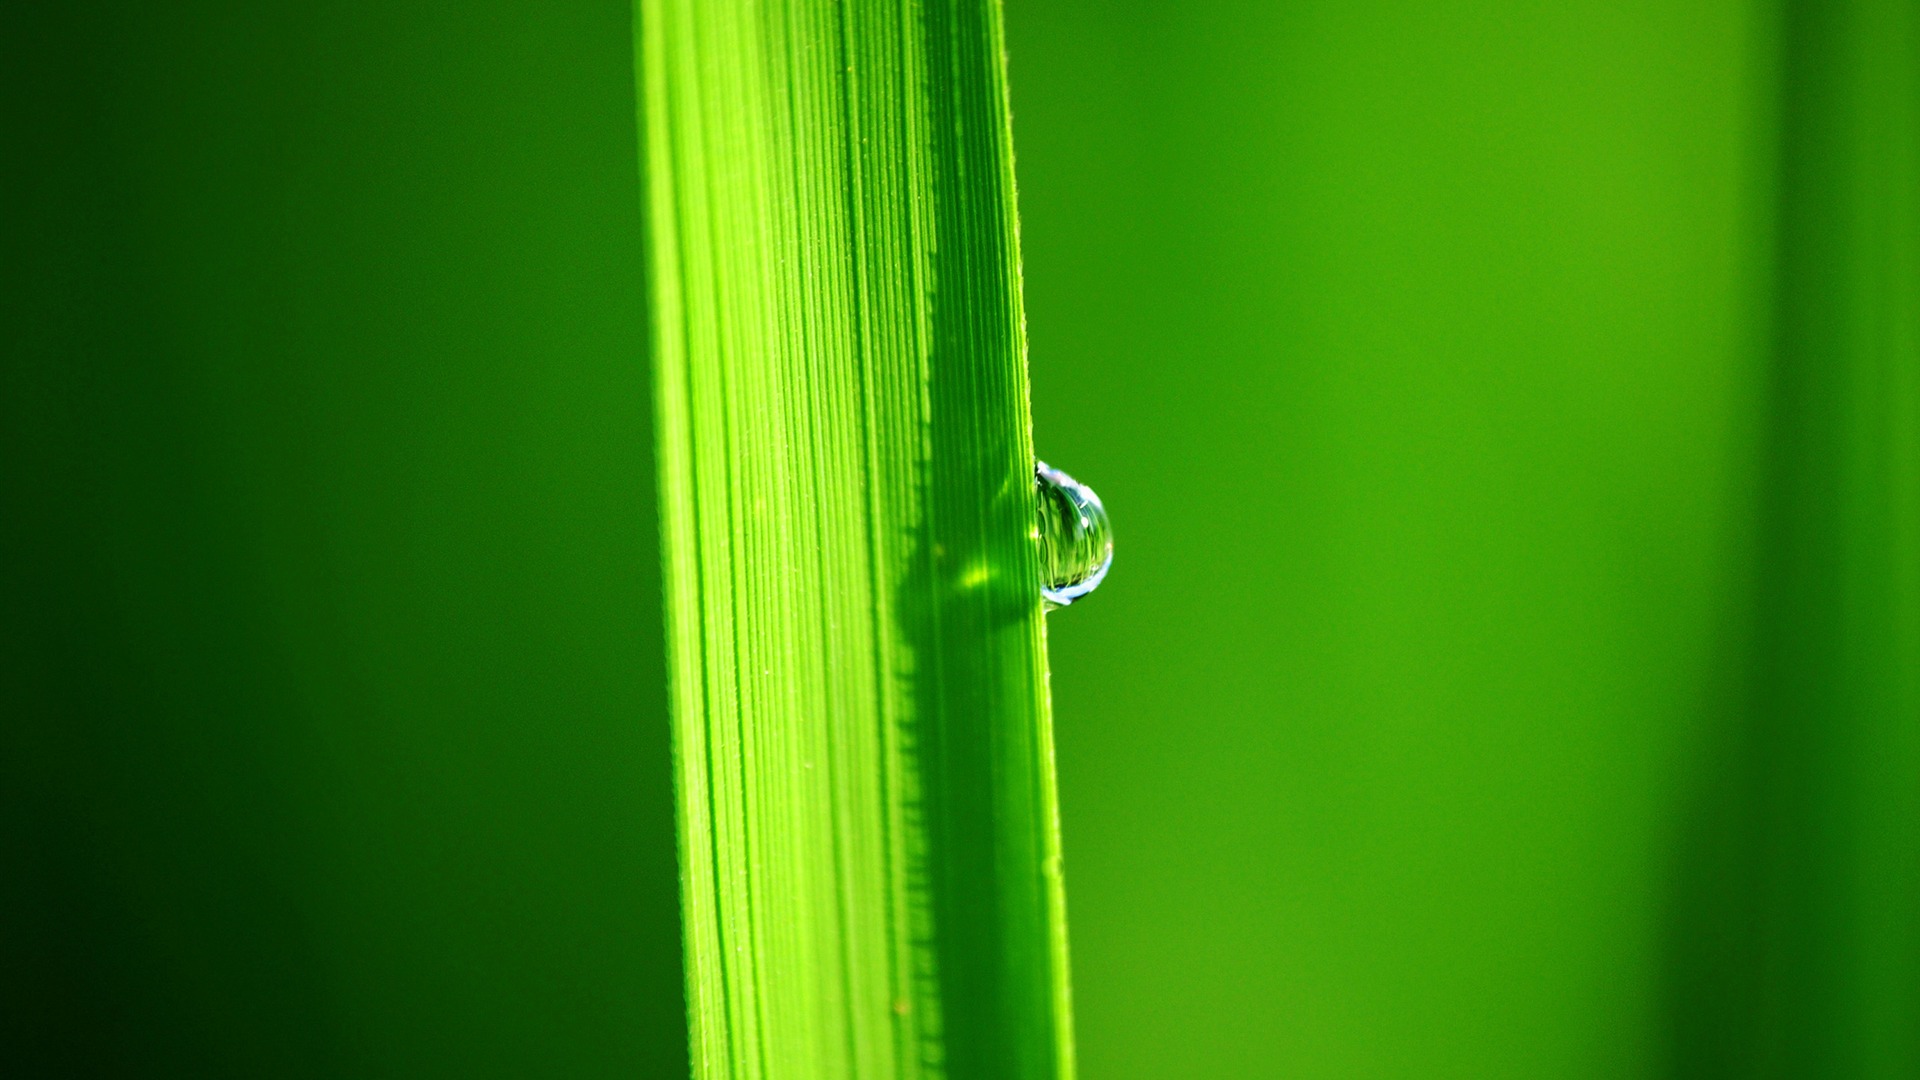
{"x": 869, "y": 840}
{"x": 1795, "y": 951}
{"x": 1836, "y": 718}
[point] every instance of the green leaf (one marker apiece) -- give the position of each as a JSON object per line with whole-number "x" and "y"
{"x": 869, "y": 839}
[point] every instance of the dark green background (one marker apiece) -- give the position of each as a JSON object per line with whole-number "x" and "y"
{"x": 335, "y": 739}
{"x": 1473, "y": 695}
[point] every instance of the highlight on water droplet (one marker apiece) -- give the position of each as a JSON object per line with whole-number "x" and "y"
{"x": 1076, "y": 542}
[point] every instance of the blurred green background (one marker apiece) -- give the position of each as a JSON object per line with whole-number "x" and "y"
{"x": 1506, "y": 410}
{"x": 335, "y": 739}
{"x": 1413, "y": 350}
{"x": 1508, "y": 416}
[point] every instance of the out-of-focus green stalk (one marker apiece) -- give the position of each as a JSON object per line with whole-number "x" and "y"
{"x": 1808, "y": 963}
{"x": 868, "y": 831}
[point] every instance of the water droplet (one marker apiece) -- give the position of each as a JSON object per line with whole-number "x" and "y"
{"x": 1076, "y": 543}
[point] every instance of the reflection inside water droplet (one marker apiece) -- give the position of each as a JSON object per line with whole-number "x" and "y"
{"x": 1076, "y": 543}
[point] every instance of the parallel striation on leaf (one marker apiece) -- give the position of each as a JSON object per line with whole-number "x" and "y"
{"x": 868, "y": 831}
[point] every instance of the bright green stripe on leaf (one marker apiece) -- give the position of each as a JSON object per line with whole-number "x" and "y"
{"x": 868, "y": 831}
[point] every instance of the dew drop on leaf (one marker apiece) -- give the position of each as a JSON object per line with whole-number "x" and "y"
{"x": 1076, "y": 543}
